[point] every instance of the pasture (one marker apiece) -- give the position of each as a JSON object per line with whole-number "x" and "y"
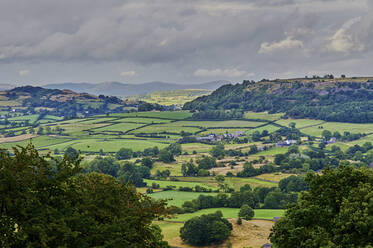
{"x": 218, "y": 124}
{"x": 262, "y": 116}
{"x": 230, "y": 213}
{"x": 177, "y": 198}
{"x": 299, "y": 123}
{"x": 340, "y": 127}
{"x": 177, "y": 184}
{"x": 234, "y": 182}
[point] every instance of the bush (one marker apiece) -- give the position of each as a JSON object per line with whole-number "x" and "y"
{"x": 206, "y": 229}
{"x": 246, "y": 212}
{"x": 155, "y": 186}
{"x": 148, "y": 162}
{"x": 124, "y": 153}
{"x": 188, "y": 189}
{"x": 239, "y": 221}
{"x": 166, "y": 156}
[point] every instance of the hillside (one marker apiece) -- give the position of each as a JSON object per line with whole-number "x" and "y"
{"x": 172, "y": 97}
{"x": 329, "y": 99}
{"x": 123, "y": 89}
{"x": 30, "y": 100}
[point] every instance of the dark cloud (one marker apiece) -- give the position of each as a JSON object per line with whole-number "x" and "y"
{"x": 212, "y": 37}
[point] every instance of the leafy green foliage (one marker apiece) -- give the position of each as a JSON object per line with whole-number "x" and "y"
{"x": 206, "y": 229}
{"x": 130, "y": 173}
{"x": 292, "y": 184}
{"x": 339, "y": 101}
{"x": 337, "y": 211}
{"x": 235, "y": 200}
{"x": 246, "y": 212}
{"x": 206, "y": 163}
{"x": 124, "y": 153}
{"x": 105, "y": 165}
{"x": 166, "y": 156}
{"x": 45, "y": 202}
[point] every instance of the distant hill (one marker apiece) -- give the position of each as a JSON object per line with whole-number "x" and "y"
{"x": 6, "y": 87}
{"x": 29, "y": 99}
{"x": 328, "y": 98}
{"x": 123, "y": 89}
{"x": 172, "y": 97}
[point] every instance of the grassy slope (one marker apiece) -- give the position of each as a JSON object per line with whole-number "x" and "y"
{"x": 267, "y": 214}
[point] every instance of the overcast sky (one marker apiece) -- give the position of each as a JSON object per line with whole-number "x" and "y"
{"x": 182, "y": 41}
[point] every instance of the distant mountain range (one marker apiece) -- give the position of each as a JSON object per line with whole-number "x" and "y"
{"x": 6, "y": 87}
{"x": 125, "y": 89}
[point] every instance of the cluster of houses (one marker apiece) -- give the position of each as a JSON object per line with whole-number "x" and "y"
{"x": 286, "y": 143}
{"x": 219, "y": 137}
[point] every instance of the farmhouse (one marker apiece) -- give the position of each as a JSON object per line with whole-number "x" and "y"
{"x": 332, "y": 140}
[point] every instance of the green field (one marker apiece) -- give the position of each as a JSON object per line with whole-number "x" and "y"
{"x": 178, "y": 197}
{"x": 340, "y": 127}
{"x": 166, "y": 128}
{"x": 121, "y": 127}
{"x": 174, "y": 167}
{"x": 237, "y": 182}
{"x": 272, "y": 151}
{"x": 269, "y": 128}
{"x": 111, "y": 145}
{"x": 172, "y": 115}
{"x": 172, "y": 97}
{"x": 262, "y": 116}
{"x": 142, "y": 120}
{"x": 299, "y": 123}
{"x": 39, "y": 142}
{"x": 177, "y": 184}
{"x": 30, "y": 118}
{"x": 234, "y": 182}
{"x": 229, "y": 213}
{"x": 199, "y": 147}
{"x": 217, "y": 124}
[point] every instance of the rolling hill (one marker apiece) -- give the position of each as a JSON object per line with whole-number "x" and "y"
{"x": 124, "y": 89}
{"x": 29, "y": 99}
{"x": 328, "y": 98}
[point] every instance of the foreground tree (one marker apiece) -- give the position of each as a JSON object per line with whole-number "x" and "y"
{"x": 337, "y": 211}
{"x": 45, "y": 202}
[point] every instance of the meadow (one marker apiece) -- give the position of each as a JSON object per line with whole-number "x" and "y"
{"x": 262, "y": 115}
{"x": 177, "y": 198}
{"x": 267, "y": 214}
{"x": 173, "y": 97}
{"x": 177, "y": 184}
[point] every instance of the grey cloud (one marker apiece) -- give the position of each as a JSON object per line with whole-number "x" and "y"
{"x": 255, "y": 36}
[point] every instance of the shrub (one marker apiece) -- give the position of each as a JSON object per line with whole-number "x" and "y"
{"x": 239, "y": 221}
{"x": 246, "y": 212}
{"x": 206, "y": 229}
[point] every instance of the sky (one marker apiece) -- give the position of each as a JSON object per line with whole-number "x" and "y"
{"x": 182, "y": 41}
